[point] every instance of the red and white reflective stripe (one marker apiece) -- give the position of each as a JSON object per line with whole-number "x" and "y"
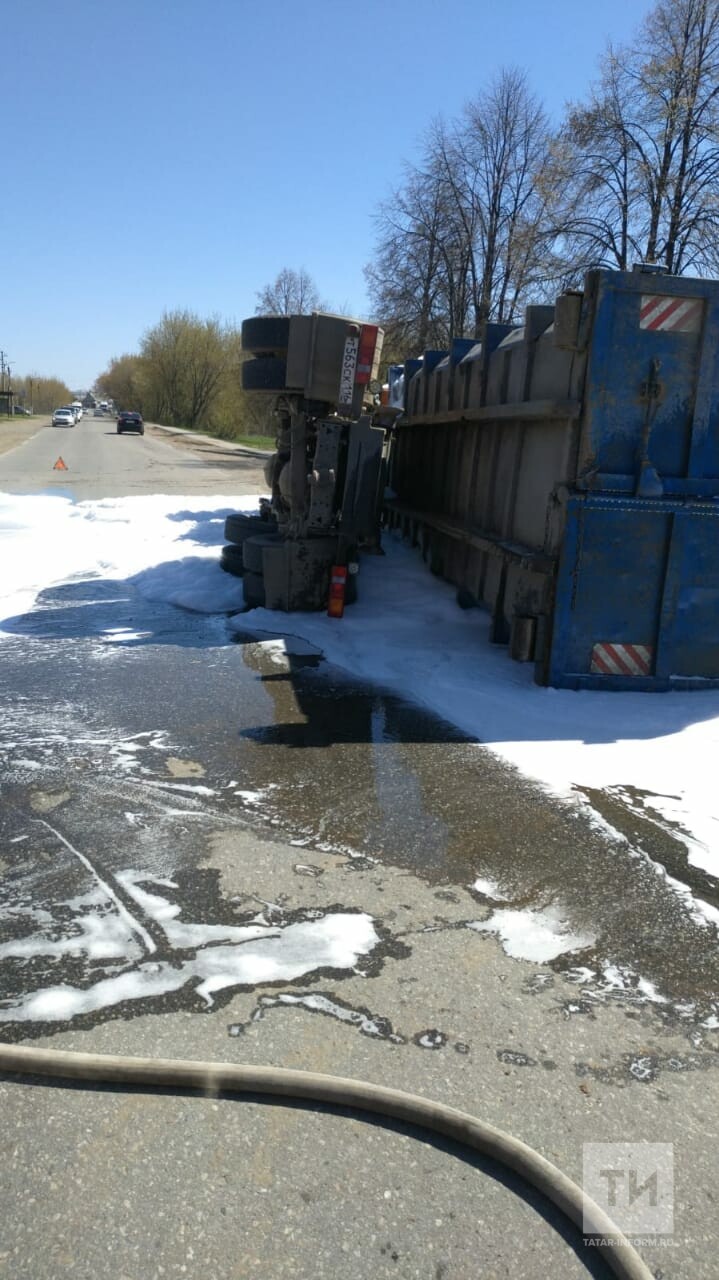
{"x": 621, "y": 659}
{"x": 659, "y": 311}
{"x": 365, "y": 357}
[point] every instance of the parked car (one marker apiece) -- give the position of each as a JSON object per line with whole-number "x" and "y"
{"x": 130, "y": 422}
{"x": 63, "y": 418}
{"x": 18, "y": 408}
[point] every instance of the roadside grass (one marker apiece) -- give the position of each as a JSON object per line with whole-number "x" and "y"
{"x": 248, "y": 440}
{"x": 254, "y": 442}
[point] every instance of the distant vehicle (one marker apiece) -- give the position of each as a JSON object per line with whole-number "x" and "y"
{"x": 130, "y": 422}
{"x": 103, "y": 404}
{"x": 18, "y": 408}
{"x": 98, "y": 413}
{"x": 63, "y": 418}
{"x": 77, "y": 407}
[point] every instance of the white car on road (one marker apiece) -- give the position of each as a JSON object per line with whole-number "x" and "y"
{"x": 63, "y": 418}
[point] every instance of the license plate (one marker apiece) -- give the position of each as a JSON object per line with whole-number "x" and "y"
{"x": 349, "y": 365}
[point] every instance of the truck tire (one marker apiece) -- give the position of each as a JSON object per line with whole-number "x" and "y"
{"x": 252, "y": 549}
{"x": 253, "y": 588}
{"x": 238, "y": 527}
{"x": 266, "y": 335}
{"x": 231, "y": 560}
{"x": 264, "y": 373}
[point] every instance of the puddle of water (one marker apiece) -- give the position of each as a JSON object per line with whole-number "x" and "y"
{"x": 282, "y": 740}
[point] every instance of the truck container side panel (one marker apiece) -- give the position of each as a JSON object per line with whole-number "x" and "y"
{"x": 486, "y": 471}
{"x": 617, "y": 406}
{"x": 450, "y": 487}
{"x": 551, "y": 371}
{"x": 704, "y": 454}
{"x": 459, "y": 482}
{"x": 490, "y": 588}
{"x": 689, "y": 636}
{"x": 426, "y": 481}
{"x": 447, "y": 476}
{"x": 420, "y": 475}
{"x": 434, "y": 445}
{"x": 544, "y": 463}
{"x": 467, "y": 481}
{"x": 509, "y": 435}
{"x": 600, "y": 599}
{"x": 457, "y": 557}
{"x": 519, "y": 364}
{"x": 439, "y": 465}
{"x": 637, "y": 573}
{"x": 475, "y": 572}
{"x": 525, "y": 593}
{"x": 452, "y": 470}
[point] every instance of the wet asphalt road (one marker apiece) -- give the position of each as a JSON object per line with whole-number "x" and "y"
{"x": 212, "y": 850}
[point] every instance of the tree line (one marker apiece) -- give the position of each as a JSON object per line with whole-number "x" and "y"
{"x": 42, "y": 394}
{"x": 187, "y": 371}
{"x": 503, "y": 209}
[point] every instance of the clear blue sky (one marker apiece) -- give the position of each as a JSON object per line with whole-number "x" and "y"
{"x": 179, "y": 153}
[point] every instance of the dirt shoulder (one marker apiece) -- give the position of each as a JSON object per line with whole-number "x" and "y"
{"x": 201, "y": 445}
{"x": 15, "y": 431}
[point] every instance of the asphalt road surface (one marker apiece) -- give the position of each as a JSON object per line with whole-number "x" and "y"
{"x": 102, "y": 464}
{"x": 210, "y": 849}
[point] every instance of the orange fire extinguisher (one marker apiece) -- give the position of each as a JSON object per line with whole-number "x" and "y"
{"x": 338, "y": 586}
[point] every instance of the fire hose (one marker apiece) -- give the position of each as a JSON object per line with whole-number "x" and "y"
{"x": 313, "y": 1087}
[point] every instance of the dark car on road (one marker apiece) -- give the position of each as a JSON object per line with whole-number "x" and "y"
{"x": 130, "y": 422}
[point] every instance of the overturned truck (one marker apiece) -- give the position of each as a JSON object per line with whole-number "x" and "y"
{"x": 564, "y": 474}
{"x": 326, "y": 476}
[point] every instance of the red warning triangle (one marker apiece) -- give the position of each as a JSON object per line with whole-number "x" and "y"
{"x": 60, "y": 465}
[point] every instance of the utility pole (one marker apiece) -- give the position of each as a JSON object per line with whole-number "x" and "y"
{"x": 5, "y": 393}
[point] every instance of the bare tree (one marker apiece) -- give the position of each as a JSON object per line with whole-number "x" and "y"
{"x": 591, "y": 177}
{"x": 291, "y": 293}
{"x": 639, "y": 163}
{"x": 494, "y": 170}
{"x": 407, "y": 279}
{"x": 469, "y": 236}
